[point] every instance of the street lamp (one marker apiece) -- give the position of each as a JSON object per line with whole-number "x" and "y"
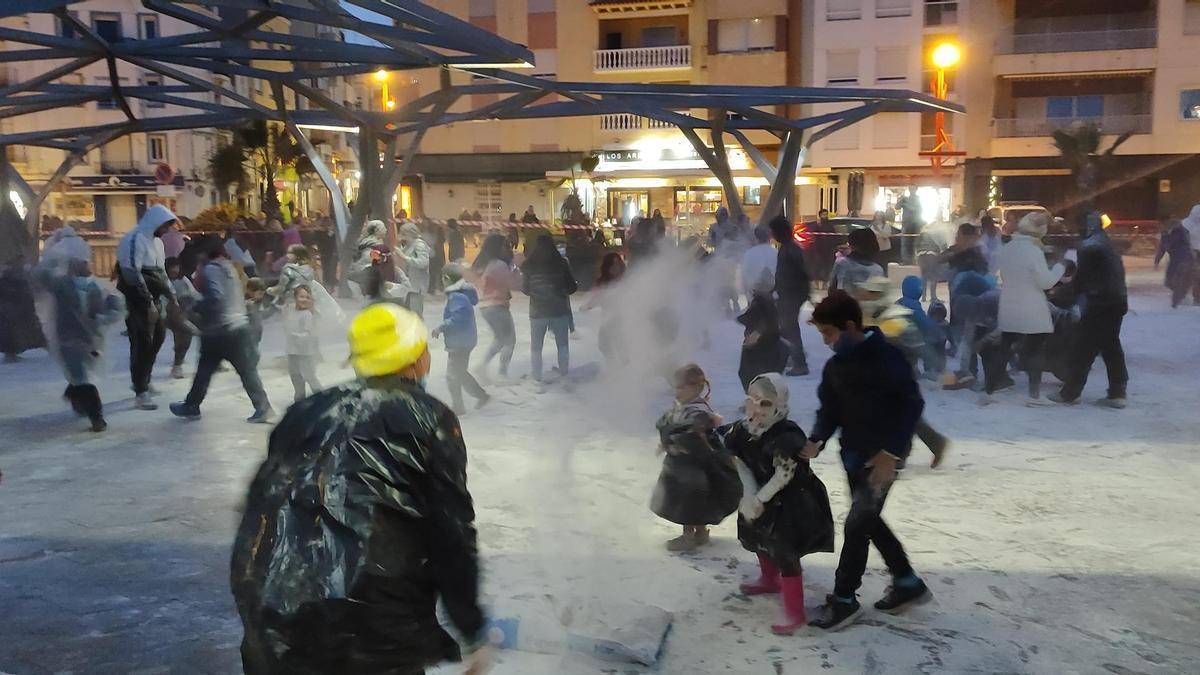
{"x": 381, "y": 76}
{"x": 944, "y": 56}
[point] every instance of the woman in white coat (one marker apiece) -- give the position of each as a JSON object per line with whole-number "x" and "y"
{"x": 1024, "y": 310}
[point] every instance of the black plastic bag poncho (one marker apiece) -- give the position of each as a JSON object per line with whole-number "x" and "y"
{"x": 358, "y": 521}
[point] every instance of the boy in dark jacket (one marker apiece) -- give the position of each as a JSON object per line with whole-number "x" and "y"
{"x": 868, "y": 392}
{"x": 792, "y": 284}
{"x": 459, "y": 330}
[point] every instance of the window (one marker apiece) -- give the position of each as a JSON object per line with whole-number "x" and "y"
{"x": 841, "y": 10}
{"x": 891, "y": 64}
{"x": 1074, "y": 107}
{"x": 154, "y": 80}
{"x": 107, "y": 26}
{"x": 487, "y": 198}
{"x": 1191, "y": 17}
{"x": 147, "y": 26}
{"x": 746, "y": 35}
{"x": 156, "y": 148}
{"x": 482, "y": 8}
{"x": 891, "y": 130}
{"x": 890, "y": 8}
{"x": 941, "y": 12}
{"x": 752, "y": 195}
{"x": 1189, "y": 103}
{"x": 66, "y": 28}
{"x": 540, "y": 6}
{"x": 109, "y": 103}
{"x": 841, "y": 67}
{"x": 660, "y": 36}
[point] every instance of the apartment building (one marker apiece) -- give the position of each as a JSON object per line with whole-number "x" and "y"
{"x": 882, "y": 44}
{"x": 1128, "y": 66}
{"x": 116, "y": 183}
{"x": 500, "y": 168}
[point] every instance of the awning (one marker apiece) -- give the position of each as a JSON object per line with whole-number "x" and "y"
{"x": 507, "y": 167}
{"x": 1080, "y": 75}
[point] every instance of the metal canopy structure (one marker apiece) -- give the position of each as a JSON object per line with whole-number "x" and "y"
{"x": 234, "y": 38}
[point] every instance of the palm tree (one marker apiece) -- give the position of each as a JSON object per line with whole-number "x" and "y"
{"x": 257, "y": 139}
{"x": 1079, "y": 147}
{"x": 226, "y": 167}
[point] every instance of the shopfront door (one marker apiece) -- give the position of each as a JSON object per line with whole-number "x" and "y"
{"x": 628, "y": 205}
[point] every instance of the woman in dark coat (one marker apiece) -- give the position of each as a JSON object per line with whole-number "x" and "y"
{"x": 1176, "y": 242}
{"x": 698, "y": 485}
{"x": 784, "y": 512}
{"x": 19, "y": 327}
{"x": 763, "y": 350}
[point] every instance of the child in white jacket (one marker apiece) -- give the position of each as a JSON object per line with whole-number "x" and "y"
{"x": 299, "y": 320}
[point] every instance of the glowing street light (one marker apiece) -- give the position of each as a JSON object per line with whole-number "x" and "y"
{"x": 944, "y": 56}
{"x": 381, "y": 76}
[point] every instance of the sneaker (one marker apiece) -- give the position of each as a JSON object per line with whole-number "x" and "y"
{"x": 144, "y": 401}
{"x": 836, "y": 614}
{"x": 99, "y": 425}
{"x": 986, "y": 399}
{"x": 1057, "y": 397}
{"x": 1036, "y": 402}
{"x": 900, "y": 597}
{"x": 963, "y": 382}
{"x": 799, "y": 371}
{"x": 1116, "y": 403}
{"x": 187, "y": 412}
{"x": 176, "y": 372}
{"x": 264, "y": 416}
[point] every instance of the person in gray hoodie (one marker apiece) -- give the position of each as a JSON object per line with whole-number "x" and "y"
{"x": 224, "y": 336}
{"x": 415, "y": 255}
{"x": 143, "y": 281}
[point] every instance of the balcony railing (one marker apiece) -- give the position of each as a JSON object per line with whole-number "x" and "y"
{"x": 1080, "y": 34}
{"x": 644, "y": 58}
{"x": 1024, "y": 127}
{"x": 121, "y": 167}
{"x": 630, "y": 122}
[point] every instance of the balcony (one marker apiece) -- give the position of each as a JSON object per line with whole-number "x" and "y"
{"x": 119, "y": 167}
{"x": 675, "y": 57}
{"x": 629, "y": 122}
{"x": 1100, "y": 32}
{"x": 1027, "y": 127}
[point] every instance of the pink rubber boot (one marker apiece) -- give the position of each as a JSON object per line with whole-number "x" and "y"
{"x": 793, "y": 606}
{"x": 767, "y": 582}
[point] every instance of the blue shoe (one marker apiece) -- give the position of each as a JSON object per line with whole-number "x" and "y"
{"x": 187, "y": 412}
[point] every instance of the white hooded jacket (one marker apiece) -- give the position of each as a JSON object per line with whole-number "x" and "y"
{"x": 1023, "y": 305}
{"x": 1192, "y": 223}
{"x": 138, "y": 251}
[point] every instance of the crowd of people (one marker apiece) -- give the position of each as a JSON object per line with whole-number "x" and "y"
{"x": 370, "y": 475}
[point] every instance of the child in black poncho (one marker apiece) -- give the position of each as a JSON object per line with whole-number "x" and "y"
{"x": 784, "y": 512}
{"x": 698, "y": 485}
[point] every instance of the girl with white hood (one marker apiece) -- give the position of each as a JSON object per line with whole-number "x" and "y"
{"x": 1024, "y": 309}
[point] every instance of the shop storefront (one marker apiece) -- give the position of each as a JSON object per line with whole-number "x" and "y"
{"x": 109, "y": 203}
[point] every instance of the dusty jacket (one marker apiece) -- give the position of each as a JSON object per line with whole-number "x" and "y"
{"x": 868, "y": 391}
{"x": 1100, "y": 280}
{"x": 222, "y": 306}
{"x": 299, "y": 325}
{"x": 416, "y": 255}
{"x": 850, "y": 271}
{"x": 458, "y": 318}
{"x": 1023, "y": 305}
{"x": 355, "y": 525}
{"x": 549, "y": 289}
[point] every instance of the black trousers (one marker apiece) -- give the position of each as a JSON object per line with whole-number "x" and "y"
{"x": 147, "y": 331}
{"x": 789, "y": 329}
{"x": 1099, "y": 334}
{"x": 236, "y": 347}
{"x": 85, "y": 400}
{"x": 995, "y": 364}
{"x": 865, "y": 526}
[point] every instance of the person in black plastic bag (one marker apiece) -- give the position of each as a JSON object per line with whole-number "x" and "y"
{"x": 360, "y": 520}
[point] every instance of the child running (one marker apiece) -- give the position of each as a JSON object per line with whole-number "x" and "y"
{"x": 299, "y": 320}
{"x": 698, "y": 485}
{"x": 459, "y": 329}
{"x": 179, "y": 319}
{"x": 763, "y": 350}
{"x": 869, "y": 393}
{"x": 784, "y": 512}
